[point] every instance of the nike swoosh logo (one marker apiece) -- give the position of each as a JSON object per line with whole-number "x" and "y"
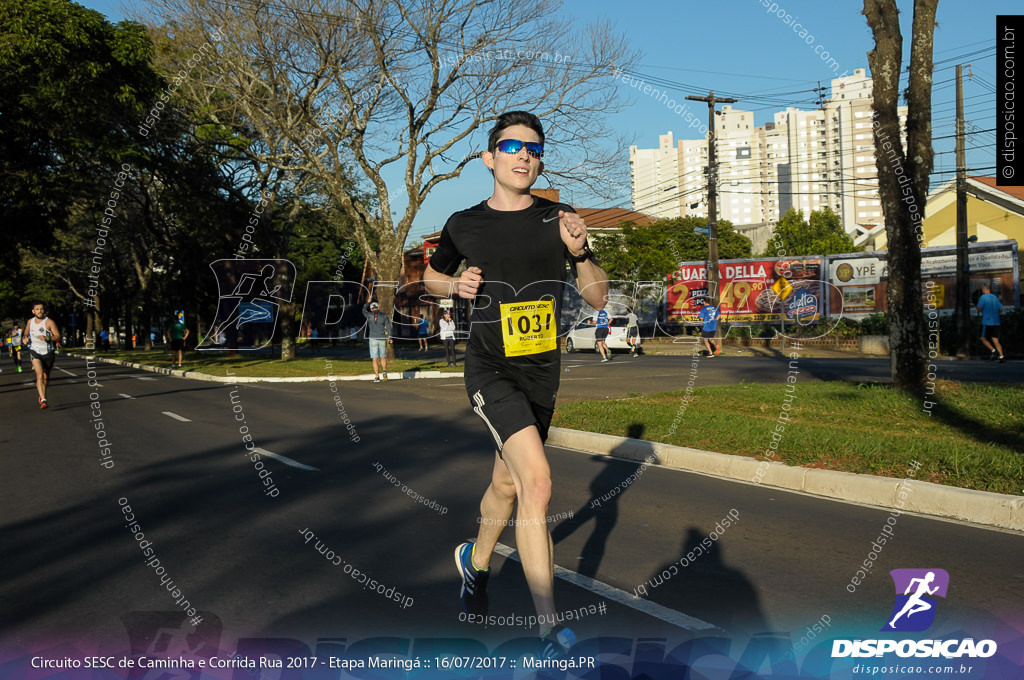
{"x": 550, "y": 219}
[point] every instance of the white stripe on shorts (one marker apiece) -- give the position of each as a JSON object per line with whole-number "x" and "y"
{"x": 478, "y": 409}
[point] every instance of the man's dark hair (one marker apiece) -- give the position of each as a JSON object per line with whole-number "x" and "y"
{"x": 510, "y": 118}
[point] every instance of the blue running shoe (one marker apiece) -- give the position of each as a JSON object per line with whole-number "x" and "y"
{"x": 556, "y": 643}
{"x": 474, "y": 581}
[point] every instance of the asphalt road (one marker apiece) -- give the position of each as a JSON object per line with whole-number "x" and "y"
{"x": 74, "y": 572}
{"x": 585, "y": 377}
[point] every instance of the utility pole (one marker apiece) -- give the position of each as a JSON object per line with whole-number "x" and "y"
{"x": 820, "y": 91}
{"x": 712, "y": 194}
{"x": 963, "y": 302}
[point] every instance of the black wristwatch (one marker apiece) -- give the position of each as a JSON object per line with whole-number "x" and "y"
{"x": 587, "y": 254}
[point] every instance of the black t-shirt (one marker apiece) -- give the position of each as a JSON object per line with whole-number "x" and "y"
{"x": 523, "y": 260}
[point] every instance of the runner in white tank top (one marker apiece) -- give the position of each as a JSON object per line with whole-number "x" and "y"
{"x": 41, "y": 336}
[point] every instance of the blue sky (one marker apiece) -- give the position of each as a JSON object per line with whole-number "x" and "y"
{"x": 739, "y": 49}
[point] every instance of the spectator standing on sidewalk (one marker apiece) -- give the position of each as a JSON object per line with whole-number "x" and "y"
{"x": 177, "y": 334}
{"x": 448, "y": 338}
{"x": 378, "y": 331}
{"x": 422, "y": 327}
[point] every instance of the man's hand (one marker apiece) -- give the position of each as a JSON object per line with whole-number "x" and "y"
{"x": 469, "y": 282}
{"x": 573, "y": 230}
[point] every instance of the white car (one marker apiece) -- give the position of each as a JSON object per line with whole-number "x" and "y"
{"x": 582, "y": 335}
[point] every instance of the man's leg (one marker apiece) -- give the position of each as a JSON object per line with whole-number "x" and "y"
{"x": 999, "y": 347}
{"x": 37, "y": 366}
{"x": 527, "y": 464}
{"x": 495, "y": 510}
{"x": 376, "y": 365}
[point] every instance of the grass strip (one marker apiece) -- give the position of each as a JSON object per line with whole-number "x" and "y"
{"x": 973, "y": 438}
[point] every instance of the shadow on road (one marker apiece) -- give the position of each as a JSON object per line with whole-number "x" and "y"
{"x": 603, "y": 506}
{"x": 712, "y": 590}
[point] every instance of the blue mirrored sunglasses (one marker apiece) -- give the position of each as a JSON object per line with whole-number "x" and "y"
{"x": 514, "y": 145}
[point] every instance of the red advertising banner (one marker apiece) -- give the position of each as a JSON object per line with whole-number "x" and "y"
{"x": 746, "y": 290}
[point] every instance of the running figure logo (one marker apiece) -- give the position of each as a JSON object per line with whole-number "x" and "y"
{"x": 914, "y": 610}
{"x": 249, "y": 295}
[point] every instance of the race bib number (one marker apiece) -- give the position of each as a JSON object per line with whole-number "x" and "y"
{"x": 528, "y": 327}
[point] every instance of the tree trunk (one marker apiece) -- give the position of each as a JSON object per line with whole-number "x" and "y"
{"x": 903, "y": 176}
{"x": 288, "y": 328}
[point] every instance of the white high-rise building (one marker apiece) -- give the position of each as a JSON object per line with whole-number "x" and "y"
{"x": 654, "y": 178}
{"x": 808, "y": 160}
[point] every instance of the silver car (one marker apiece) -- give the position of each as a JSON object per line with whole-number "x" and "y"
{"x": 582, "y": 335}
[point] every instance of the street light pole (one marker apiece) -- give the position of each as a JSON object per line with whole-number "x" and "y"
{"x": 712, "y": 194}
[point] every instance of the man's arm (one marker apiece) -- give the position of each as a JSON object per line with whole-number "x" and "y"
{"x": 465, "y": 286}
{"x": 591, "y": 280}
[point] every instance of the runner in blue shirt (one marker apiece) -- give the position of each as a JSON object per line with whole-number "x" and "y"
{"x": 709, "y": 316}
{"x": 990, "y": 308}
{"x": 601, "y": 334}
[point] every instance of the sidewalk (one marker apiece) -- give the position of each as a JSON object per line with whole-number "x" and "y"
{"x": 234, "y": 380}
{"x": 1002, "y": 511}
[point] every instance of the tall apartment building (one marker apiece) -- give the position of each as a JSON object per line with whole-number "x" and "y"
{"x": 806, "y": 160}
{"x": 654, "y": 178}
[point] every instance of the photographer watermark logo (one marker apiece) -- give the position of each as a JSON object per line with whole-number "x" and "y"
{"x": 916, "y": 590}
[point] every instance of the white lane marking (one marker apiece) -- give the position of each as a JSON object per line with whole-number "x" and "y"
{"x": 143, "y": 377}
{"x": 285, "y": 459}
{"x": 653, "y": 609}
{"x": 126, "y": 396}
{"x": 176, "y": 416}
{"x": 66, "y": 372}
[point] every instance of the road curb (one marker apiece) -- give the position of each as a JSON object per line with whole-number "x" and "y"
{"x": 979, "y": 507}
{"x": 235, "y": 380}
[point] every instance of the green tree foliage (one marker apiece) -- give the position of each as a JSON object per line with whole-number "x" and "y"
{"x": 72, "y": 84}
{"x": 823, "y": 235}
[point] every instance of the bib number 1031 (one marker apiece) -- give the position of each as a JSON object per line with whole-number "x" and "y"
{"x": 529, "y": 327}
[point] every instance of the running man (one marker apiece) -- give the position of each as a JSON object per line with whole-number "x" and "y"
{"x": 632, "y": 331}
{"x": 41, "y": 337}
{"x": 601, "y": 334}
{"x": 990, "y": 308}
{"x": 516, "y": 247}
{"x": 709, "y": 317}
{"x": 915, "y": 604}
{"x": 14, "y": 343}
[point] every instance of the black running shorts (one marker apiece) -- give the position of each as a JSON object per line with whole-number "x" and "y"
{"x": 990, "y": 332}
{"x": 601, "y": 334}
{"x": 707, "y": 334}
{"x": 511, "y": 398}
{"x": 46, "y": 359}
{"x": 177, "y": 344}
